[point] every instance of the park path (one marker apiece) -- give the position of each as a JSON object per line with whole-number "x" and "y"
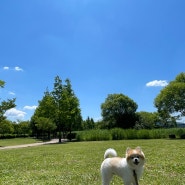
{"x": 29, "y": 145}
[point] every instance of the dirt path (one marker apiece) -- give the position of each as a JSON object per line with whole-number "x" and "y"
{"x": 29, "y": 145}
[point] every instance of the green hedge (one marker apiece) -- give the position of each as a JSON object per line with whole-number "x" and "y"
{"x": 94, "y": 135}
{"x": 120, "y": 134}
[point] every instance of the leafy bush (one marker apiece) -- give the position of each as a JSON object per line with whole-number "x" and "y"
{"x": 156, "y": 134}
{"x": 143, "y": 134}
{"x": 94, "y": 135}
{"x": 131, "y": 134}
{"x": 118, "y": 134}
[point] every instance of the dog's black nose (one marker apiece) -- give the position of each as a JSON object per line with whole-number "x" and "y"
{"x": 136, "y": 161}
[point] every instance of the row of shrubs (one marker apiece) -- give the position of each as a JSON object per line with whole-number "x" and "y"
{"x": 121, "y": 134}
{"x": 117, "y": 134}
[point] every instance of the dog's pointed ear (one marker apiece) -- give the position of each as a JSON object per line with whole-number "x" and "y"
{"x": 128, "y": 149}
{"x": 138, "y": 148}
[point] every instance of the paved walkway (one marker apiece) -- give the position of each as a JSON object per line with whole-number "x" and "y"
{"x": 29, "y": 145}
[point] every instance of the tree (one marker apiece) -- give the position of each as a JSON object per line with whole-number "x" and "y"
{"x": 61, "y": 106}
{"x": 68, "y": 113}
{"x": 57, "y": 95}
{"x": 146, "y": 120}
{"x": 71, "y": 113}
{"x": 6, "y": 127}
{"x": 2, "y": 83}
{"x": 119, "y": 110}
{"x": 88, "y": 124}
{"x": 24, "y": 127}
{"x": 5, "y": 105}
{"x": 45, "y": 109}
{"x": 170, "y": 102}
{"x": 45, "y": 125}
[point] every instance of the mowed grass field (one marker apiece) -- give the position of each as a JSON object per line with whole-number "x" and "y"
{"x": 18, "y": 141}
{"x": 78, "y": 163}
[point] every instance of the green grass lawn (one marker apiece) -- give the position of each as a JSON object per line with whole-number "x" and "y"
{"x": 18, "y": 141}
{"x": 78, "y": 163}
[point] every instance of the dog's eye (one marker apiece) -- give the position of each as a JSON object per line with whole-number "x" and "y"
{"x": 137, "y": 156}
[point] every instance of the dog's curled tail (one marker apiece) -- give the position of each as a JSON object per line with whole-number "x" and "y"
{"x": 110, "y": 152}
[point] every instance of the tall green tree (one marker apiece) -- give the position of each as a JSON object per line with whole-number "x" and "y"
{"x": 71, "y": 112}
{"x": 46, "y": 109}
{"x": 5, "y": 105}
{"x": 68, "y": 113}
{"x": 170, "y": 102}
{"x": 147, "y": 120}
{"x": 58, "y": 99}
{"x": 119, "y": 110}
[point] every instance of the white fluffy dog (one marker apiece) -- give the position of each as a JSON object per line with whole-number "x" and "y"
{"x": 129, "y": 169}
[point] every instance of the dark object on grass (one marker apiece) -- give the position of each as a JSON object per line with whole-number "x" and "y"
{"x": 71, "y": 136}
{"x": 172, "y": 136}
{"x": 182, "y": 136}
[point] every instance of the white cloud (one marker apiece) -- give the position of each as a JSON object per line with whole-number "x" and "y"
{"x": 15, "y": 114}
{"x": 157, "y": 83}
{"x": 15, "y": 68}
{"x": 11, "y": 93}
{"x": 18, "y": 69}
{"x": 6, "y": 68}
{"x": 30, "y": 107}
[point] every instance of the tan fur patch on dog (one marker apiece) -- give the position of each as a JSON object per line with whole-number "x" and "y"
{"x": 114, "y": 161}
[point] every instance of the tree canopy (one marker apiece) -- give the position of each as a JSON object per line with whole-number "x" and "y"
{"x": 119, "y": 110}
{"x": 60, "y": 107}
{"x": 5, "y": 104}
{"x": 146, "y": 120}
{"x": 171, "y": 99}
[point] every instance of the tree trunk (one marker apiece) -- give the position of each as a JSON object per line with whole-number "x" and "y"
{"x": 60, "y": 137}
{"x": 70, "y": 138}
{"x": 49, "y": 136}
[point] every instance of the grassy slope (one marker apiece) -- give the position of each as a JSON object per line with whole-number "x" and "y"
{"x": 79, "y": 163}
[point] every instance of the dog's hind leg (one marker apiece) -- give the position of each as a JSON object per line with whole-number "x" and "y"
{"x": 106, "y": 181}
{"x": 106, "y": 178}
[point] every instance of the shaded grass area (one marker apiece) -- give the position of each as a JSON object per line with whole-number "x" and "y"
{"x": 79, "y": 163}
{"x": 18, "y": 141}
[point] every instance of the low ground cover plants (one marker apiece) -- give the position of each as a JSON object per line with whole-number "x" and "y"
{"x": 78, "y": 163}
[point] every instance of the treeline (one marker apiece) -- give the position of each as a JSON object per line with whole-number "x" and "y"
{"x": 58, "y": 113}
{"x": 90, "y": 131}
{"x": 9, "y": 129}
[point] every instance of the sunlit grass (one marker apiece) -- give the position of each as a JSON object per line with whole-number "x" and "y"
{"x": 79, "y": 163}
{"x": 17, "y": 141}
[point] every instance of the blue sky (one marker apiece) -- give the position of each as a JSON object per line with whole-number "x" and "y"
{"x": 131, "y": 47}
